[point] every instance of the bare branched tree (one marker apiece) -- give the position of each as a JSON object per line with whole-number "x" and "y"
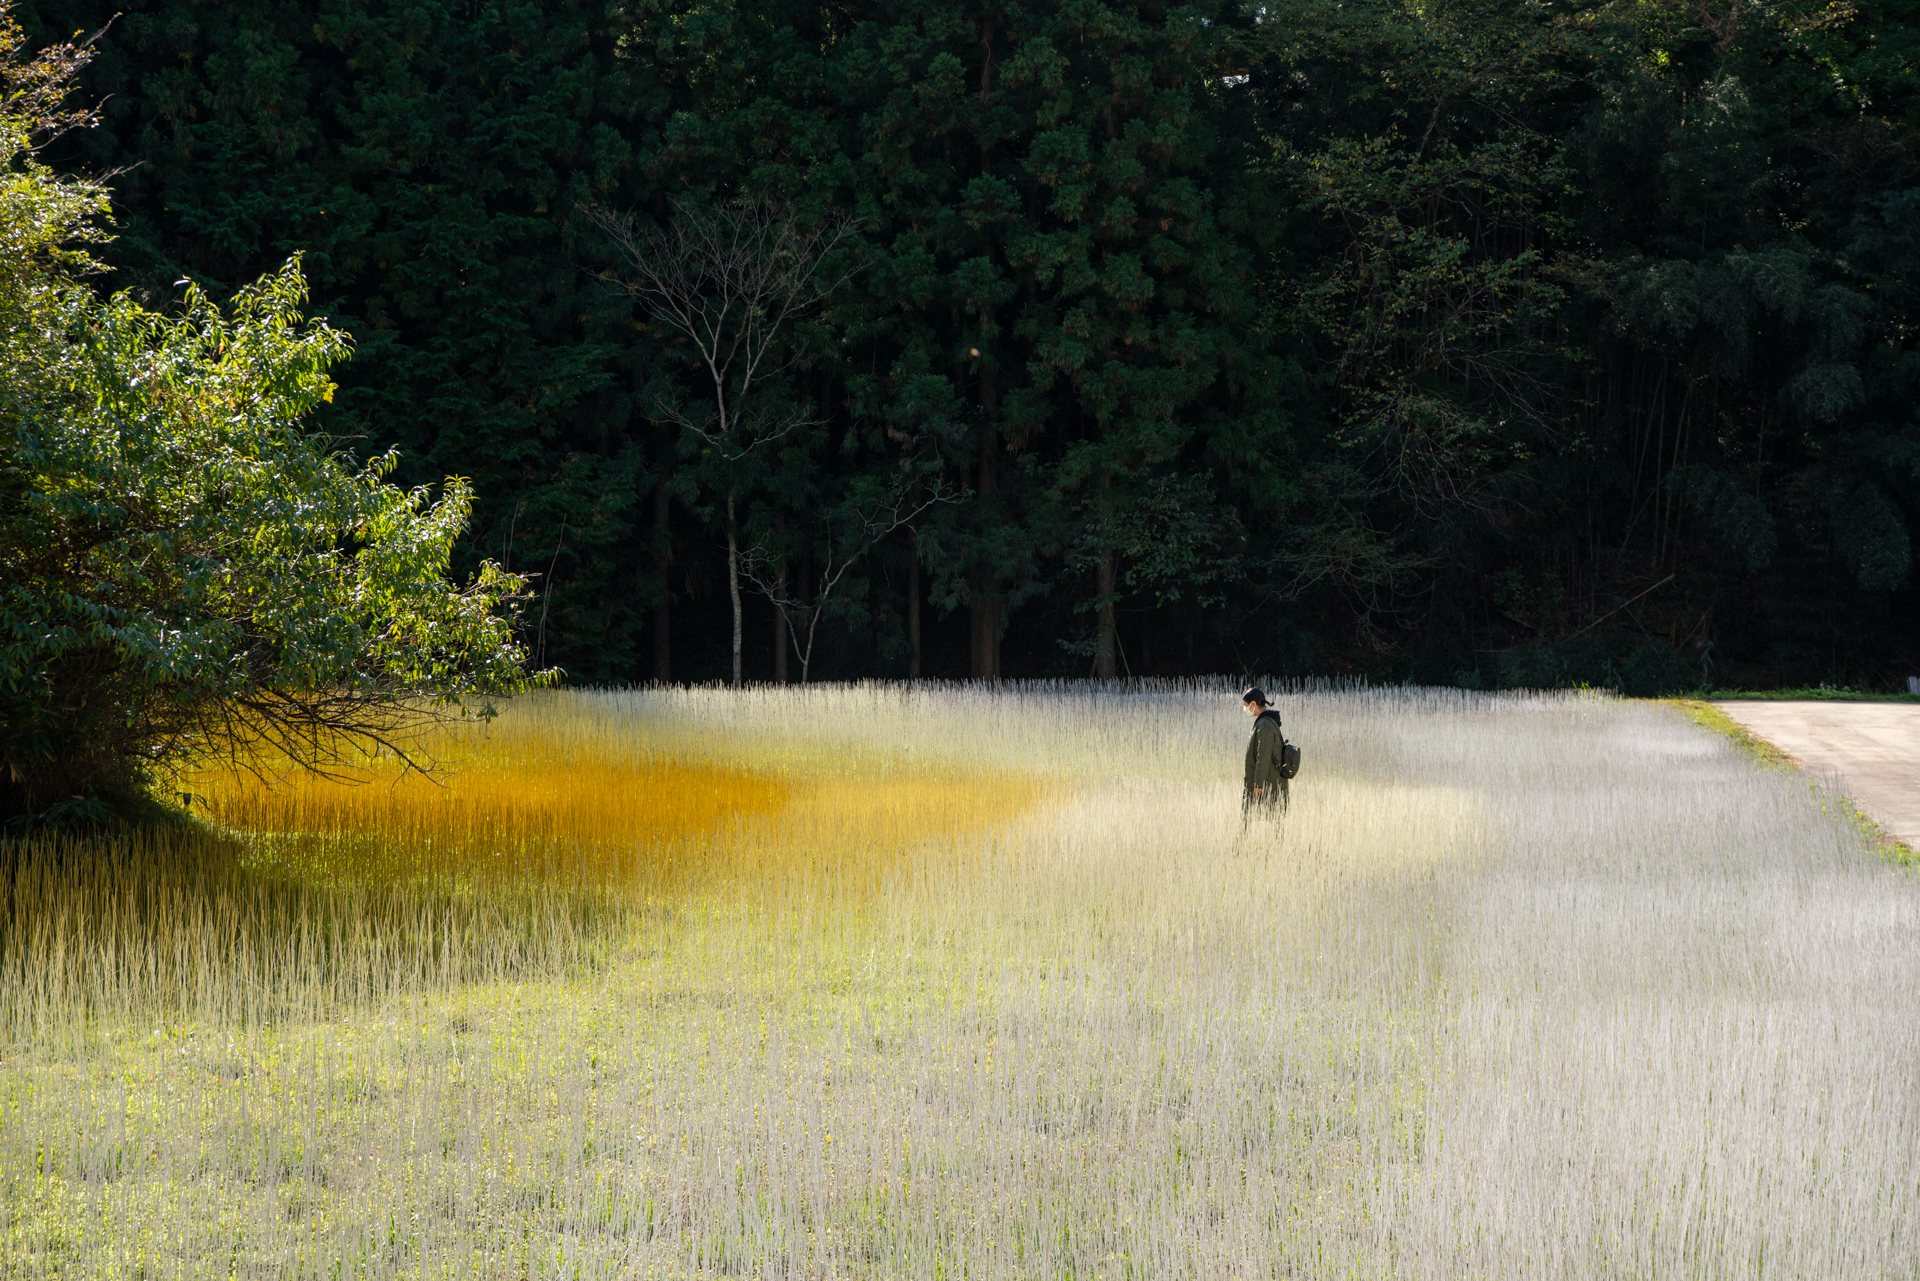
{"x": 733, "y": 280}
{"x": 850, "y": 534}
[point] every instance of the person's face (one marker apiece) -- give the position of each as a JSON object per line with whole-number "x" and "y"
{"x": 1253, "y": 708}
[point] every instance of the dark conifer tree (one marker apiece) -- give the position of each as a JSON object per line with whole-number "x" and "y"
{"x": 1466, "y": 341}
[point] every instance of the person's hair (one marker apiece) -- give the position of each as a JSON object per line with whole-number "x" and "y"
{"x": 1256, "y": 695}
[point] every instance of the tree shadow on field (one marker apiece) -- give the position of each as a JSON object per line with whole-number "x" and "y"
{"x": 189, "y": 925}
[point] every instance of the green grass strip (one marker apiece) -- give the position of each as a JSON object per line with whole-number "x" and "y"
{"x": 1709, "y": 717}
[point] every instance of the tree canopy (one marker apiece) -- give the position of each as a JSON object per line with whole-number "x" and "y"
{"x": 183, "y": 569}
{"x": 1475, "y": 342}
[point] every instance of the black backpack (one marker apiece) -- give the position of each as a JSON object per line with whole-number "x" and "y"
{"x": 1289, "y": 754}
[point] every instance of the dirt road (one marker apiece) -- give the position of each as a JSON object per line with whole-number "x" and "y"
{"x": 1872, "y": 750}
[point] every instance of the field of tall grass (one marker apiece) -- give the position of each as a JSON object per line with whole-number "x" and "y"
{"x": 965, "y": 982}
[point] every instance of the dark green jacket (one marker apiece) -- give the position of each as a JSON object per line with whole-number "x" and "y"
{"x": 1263, "y": 753}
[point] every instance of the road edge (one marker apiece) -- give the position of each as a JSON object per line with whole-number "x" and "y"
{"x": 1712, "y": 719}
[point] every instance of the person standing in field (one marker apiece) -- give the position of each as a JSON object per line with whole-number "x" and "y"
{"x": 1266, "y": 789}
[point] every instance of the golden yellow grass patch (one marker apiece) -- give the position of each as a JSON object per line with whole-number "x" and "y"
{"x": 523, "y": 799}
{"x": 866, "y": 826}
{"x": 502, "y": 798}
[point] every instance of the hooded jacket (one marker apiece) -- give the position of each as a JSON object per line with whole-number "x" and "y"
{"x": 1263, "y": 753}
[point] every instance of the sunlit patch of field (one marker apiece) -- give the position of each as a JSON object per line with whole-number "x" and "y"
{"x": 955, "y": 982}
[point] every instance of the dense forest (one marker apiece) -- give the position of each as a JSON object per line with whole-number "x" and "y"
{"x": 1471, "y": 342}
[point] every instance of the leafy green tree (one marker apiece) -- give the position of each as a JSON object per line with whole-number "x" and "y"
{"x": 427, "y": 160}
{"x": 188, "y": 574}
{"x": 182, "y": 570}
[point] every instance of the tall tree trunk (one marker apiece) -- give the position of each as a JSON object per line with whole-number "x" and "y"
{"x": 779, "y": 607}
{"x": 984, "y": 626}
{"x": 1103, "y": 586}
{"x": 1103, "y": 650}
{"x": 780, "y": 638}
{"x": 546, "y": 596}
{"x": 733, "y": 585}
{"x": 662, "y": 562}
{"x": 984, "y": 612}
{"x": 913, "y": 605}
{"x": 808, "y": 616}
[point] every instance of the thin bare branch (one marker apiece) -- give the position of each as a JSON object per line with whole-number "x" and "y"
{"x": 762, "y": 568}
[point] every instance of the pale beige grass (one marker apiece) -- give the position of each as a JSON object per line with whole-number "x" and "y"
{"x": 1518, "y": 987}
